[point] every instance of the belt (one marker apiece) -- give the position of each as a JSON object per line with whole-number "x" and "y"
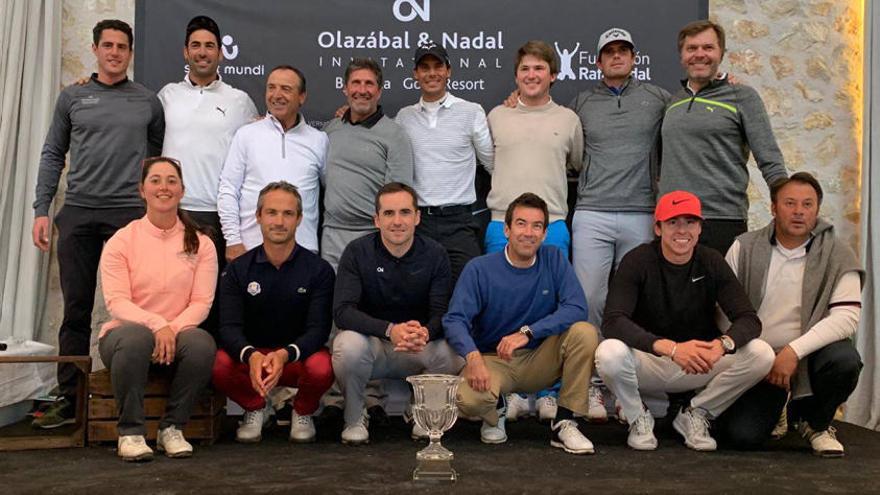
{"x": 444, "y": 211}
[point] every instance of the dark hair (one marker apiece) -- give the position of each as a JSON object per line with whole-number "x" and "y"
{"x": 302, "y": 77}
{"x": 114, "y": 24}
{"x": 541, "y": 50}
{"x": 800, "y": 178}
{"x": 281, "y": 185}
{"x": 697, "y": 27}
{"x": 527, "y": 200}
{"x": 202, "y": 22}
{"x": 190, "y": 227}
{"x": 394, "y": 187}
{"x": 364, "y": 63}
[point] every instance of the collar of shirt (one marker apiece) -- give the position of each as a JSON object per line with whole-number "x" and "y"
{"x": 718, "y": 78}
{"x": 120, "y": 83}
{"x": 507, "y": 257}
{"x": 368, "y": 122}
{"x": 794, "y": 253}
{"x": 446, "y": 102}
{"x": 158, "y": 232}
{"x": 380, "y": 246}
{"x": 212, "y": 85}
{"x": 260, "y": 255}
{"x": 277, "y": 123}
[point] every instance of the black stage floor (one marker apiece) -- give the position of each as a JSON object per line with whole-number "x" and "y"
{"x": 525, "y": 464}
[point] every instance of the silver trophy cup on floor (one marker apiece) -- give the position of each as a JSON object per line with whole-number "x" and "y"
{"x": 434, "y": 410}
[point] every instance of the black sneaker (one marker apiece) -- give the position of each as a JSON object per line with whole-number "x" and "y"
{"x": 331, "y": 416}
{"x": 283, "y": 415}
{"x": 60, "y": 413}
{"x": 378, "y": 416}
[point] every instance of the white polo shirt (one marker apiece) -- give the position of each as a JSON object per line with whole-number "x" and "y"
{"x": 199, "y": 124}
{"x": 262, "y": 152}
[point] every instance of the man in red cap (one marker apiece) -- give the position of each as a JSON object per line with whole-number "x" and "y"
{"x": 660, "y": 331}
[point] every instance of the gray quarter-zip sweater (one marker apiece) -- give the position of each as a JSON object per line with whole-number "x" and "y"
{"x": 707, "y": 137}
{"x": 621, "y": 146}
{"x": 109, "y": 130}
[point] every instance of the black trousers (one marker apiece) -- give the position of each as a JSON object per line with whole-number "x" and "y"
{"x": 82, "y": 233}
{"x": 834, "y": 371}
{"x": 455, "y": 228}
{"x": 210, "y": 222}
{"x": 720, "y": 234}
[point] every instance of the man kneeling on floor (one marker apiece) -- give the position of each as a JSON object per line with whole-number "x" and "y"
{"x": 518, "y": 316}
{"x": 275, "y": 316}
{"x": 660, "y": 331}
{"x": 392, "y": 289}
{"x": 806, "y": 284}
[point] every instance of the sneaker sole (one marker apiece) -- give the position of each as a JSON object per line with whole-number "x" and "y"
{"x": 642, "y": 448}
{"x": 830, "y": 454}
{"x": 560, "y": 445}
{"x": 51, "y": 426}
{"x": 249, "y": 440}
{"x": 691, "y": 445}
{"x": 490, "y": 441}
{"x": 177, "y": 455}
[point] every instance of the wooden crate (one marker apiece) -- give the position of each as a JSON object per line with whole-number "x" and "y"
{"x": 203, "y": 425}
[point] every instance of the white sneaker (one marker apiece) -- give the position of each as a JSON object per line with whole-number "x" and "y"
{"x": 517, "y": 406}
{"x": 781, "y": 428}
{"x": 133, "y": 448}
{"x": 641, "y": 432}
{"x": 565, "y": 435}
{"x": 824, "y": 443}
{"x": 357, "y": 434}
{"x": 546, "y": 407}
{"x": 693, "y": 425}
{"x": 596, "y": 412}
{"x": 302, "y": 428}
{"x": 498, "y": 433}
{"x": 170, "y": 440}
{"x": 250, "y": 428}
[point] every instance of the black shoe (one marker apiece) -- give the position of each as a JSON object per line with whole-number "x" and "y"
{"x": 378, "y": 416}
{"x": 331, "y": 416}
{"x": 283, "y": 415}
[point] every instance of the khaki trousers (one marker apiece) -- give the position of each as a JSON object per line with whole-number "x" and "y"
{"x": 568, "y": 355}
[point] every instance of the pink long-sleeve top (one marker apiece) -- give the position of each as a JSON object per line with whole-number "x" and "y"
{"x": 147, "y": 278}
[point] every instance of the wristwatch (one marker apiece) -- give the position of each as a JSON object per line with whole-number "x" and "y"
{"x": 728, "y": 344}
{"x": 525, "y": 330}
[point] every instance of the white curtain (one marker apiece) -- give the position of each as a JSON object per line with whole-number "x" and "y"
{"x": 30, "y": 71}
{"x": 863, "y": 407}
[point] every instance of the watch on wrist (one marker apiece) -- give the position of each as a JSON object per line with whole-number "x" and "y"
{"x": 727, "y": 344}
{"x": 525, "y": 330}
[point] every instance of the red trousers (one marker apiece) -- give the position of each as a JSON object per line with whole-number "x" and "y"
{"x": 311, "y": 377}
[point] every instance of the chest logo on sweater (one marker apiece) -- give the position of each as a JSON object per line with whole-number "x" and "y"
{"x": 545, "y": 292}
{"x": 253, "y": 288}
{"x": 301, "y": 290}
{"x": 380, "y": 269}
{"x": 697, "y": 279}
{"x": 90, "y": 100}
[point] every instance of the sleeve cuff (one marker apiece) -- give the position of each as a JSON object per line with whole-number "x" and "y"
{"x": 293, "y": 353}
{"x": 245, "y": 354}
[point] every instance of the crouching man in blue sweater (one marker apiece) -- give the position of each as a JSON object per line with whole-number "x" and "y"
{"x": 518, "y": 317}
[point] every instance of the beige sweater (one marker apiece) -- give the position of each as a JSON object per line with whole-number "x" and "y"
{"x": 533, "y": 148}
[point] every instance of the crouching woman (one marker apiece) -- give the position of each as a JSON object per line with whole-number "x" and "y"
{"x": 158, "y": 275}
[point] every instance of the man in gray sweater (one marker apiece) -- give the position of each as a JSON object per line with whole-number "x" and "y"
{"x": 109, "y": 125}
{"x": 709, "y": 128}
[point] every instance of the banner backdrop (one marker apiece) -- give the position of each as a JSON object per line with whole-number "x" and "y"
{"x": 320, "y": 37}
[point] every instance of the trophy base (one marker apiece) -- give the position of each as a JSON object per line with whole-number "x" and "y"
{"x": 434, "y": 471}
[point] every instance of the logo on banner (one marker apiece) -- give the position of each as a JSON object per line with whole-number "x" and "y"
{"x": 422, "y": 11}
{"x": 565, "y": 57}
{"x": 230, "y": 51}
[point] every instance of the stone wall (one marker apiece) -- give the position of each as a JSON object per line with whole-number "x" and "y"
{"x": 803, "y": 57}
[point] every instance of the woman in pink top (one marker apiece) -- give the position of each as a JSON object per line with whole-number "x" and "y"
{"x": 158, "y": 276}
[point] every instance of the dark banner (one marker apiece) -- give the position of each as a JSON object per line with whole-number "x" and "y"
{"x": 320, "y": 37}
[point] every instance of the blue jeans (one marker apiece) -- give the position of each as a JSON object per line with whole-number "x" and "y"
{"x": 557, "y": 235}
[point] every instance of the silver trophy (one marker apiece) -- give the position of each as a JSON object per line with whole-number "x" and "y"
{"x": 434, "y": 410}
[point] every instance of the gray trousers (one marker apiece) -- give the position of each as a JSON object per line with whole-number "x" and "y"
{"x": 126, "y": 351}
{"x": 358, "y": 358}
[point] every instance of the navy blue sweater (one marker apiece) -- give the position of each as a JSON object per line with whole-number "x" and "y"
{"x": 264, "y": 306}
{"x": 493, "y": 299}
{"x": 374, "y": 288}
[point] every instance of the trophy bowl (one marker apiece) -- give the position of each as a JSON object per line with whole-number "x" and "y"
{"x": 435, "y": 411}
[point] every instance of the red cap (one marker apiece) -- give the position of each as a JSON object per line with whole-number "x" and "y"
{"x": 677, "y": 203}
